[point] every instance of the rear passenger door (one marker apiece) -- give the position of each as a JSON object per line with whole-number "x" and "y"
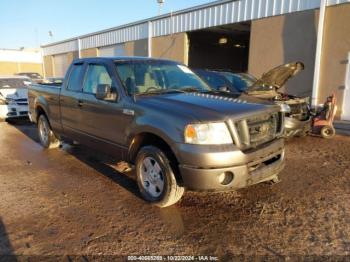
{"x": 102, "y": 121}
{"x": 70, "y": 101}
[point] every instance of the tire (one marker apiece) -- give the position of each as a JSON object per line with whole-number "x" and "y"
{"x": 47, "y": 137}
{"x": 327, "y": 132}
{"x": 10, "y": 121}
{"x": 155, "y": 177}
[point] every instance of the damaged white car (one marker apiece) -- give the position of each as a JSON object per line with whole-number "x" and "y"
{"x": 13, "y": 97}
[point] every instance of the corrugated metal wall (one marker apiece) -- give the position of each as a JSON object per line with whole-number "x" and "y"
{"x": 122, "y": 35}
{"x": 64, "y": 47}
{"x": 227, "y": 12}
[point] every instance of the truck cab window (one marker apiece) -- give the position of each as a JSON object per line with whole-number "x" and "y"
{"x": 74, "y": 78}
{"x": 97, "y": 75}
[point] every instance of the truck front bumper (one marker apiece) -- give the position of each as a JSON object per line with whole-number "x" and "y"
{"x": 235, "y": 169}
{"x": 13, "y": 111}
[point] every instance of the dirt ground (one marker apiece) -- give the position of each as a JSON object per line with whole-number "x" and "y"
{"x": 72, "y": 202}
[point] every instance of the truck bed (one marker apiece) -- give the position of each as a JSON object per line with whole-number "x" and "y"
{"x": 46, "y": 95}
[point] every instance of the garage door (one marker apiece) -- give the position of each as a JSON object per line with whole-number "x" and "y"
{"x": 224, "y": 48}
{"x": 114, "y": 50}
{"x": 60, "y": 65}
{"x": 346, "y": 100}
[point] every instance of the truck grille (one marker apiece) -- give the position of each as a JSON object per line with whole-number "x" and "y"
{"x": 22, "y": 101}
{"x": 258, "y": 130}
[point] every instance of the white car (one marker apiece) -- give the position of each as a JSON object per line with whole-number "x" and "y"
{"x": 14, "y": 96}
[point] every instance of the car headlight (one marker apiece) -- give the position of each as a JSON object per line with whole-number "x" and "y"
{"x": 10, "y": 101}
{"x": 3, "y": 102}
{"x": 207, "y": 134}
{"x": 285, "y": 108}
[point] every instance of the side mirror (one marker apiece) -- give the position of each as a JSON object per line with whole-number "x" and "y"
{"x": 102, "y": 91}
{"x": 224, "y": 89}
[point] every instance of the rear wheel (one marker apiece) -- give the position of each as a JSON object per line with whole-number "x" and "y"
{"x": 155, "y": 177}
{"x": 327, "y": 132}
{"x": 46, "y": 136}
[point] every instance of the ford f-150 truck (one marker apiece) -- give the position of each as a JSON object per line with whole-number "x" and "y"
{"x": 165, "y": 122}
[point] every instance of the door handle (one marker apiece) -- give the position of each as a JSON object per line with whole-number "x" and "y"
{"x": 80, "y": 103}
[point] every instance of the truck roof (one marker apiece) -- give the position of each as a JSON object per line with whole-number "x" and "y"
{"x": 123, "y": 58}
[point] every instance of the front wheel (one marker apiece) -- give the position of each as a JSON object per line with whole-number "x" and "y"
{"x": 155, "y": 177}
{"x": 46, "y": 136}
{"x": 327, "y": 132}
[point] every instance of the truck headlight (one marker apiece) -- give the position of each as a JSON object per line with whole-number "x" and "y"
{"x": 208, "y": 134}
{"x": 285, "y": 108}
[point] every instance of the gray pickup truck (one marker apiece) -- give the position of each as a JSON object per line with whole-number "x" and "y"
{"x": 165, "y": 122}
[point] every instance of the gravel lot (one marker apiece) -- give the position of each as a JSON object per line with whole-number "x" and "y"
{"x": 73, "y": 202}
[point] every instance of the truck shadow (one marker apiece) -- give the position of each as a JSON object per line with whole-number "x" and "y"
{"x": 96, "y": 160}
{"x": 104, "y": 166}
{"x": 6, "y": 249}
{"x": 25, "y": 126}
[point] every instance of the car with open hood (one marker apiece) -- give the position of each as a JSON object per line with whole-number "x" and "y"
{"x": 266, "y": 88}
{"x": 13, "y": 96}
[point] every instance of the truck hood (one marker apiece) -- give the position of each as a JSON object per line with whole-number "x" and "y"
{"x": 212, "y": 106}
{"x": 14, "y": 93}
{"x": 276, "y": 78}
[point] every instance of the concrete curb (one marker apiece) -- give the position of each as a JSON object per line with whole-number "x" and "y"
{"x": 342, "y": 127}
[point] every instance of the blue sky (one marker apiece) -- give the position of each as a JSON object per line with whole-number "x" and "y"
{"x": 25, "y": 23}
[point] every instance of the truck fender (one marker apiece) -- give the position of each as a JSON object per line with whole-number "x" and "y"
{"x": 148, "y": 130}
{"x": 41, "y": 103}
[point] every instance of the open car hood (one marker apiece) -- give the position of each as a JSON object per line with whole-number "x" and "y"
{"x": 276, "y": 78}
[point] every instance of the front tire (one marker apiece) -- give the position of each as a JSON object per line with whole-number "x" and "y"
{"x": 327, "y": 132}
{"x": 46, "y": 135}
{"x": 155, "y": 177}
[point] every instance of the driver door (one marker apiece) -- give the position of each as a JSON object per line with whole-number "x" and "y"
{"x": 103, "y": 121}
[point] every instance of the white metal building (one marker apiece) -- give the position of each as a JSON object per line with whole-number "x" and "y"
{"x": 14, "y": 61}
{"x": 240, "y": 35}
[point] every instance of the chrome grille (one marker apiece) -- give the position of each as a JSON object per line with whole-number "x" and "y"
{"x": 22, "y": 101}
{"x": 258, "y": 130}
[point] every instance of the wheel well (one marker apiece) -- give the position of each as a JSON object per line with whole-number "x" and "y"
{"x": 39, "y": 111}
{"x": 147, "y": 139}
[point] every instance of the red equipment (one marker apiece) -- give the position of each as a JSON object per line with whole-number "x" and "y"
{"x": 322, "y": 123}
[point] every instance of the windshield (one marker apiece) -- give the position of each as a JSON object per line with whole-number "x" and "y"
{"x": 215, "y": 80}
{"x": 6, "y": 83}
{"x": 150, "y": 77}
{"x": 240, "y": 81}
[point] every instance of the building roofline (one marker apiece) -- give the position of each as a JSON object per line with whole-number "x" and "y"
{"x": 154, "y": 18}
{"x": 124, "y": 58}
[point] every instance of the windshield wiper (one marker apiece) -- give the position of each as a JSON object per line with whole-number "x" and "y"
{"x": 189, "y": 89}
{"x": 172, "y": 90}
